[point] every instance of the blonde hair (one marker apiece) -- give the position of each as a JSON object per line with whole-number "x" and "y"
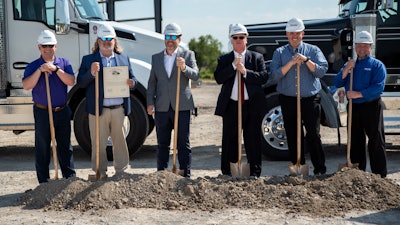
{"x": 117, "y": 47}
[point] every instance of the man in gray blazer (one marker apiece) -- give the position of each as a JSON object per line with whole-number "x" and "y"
{"x": 161, "y": 97}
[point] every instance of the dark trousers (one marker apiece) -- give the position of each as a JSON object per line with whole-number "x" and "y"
{"x": 310, "y": 116}
{"x": 367, "y": 120}
{"x": 251, "y": 126}
{"x": 43, "y": 152}
{"x": 164, "y": 126}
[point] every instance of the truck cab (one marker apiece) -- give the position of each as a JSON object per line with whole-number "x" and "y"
{"x": 334, "y": 37}
{"x": 74, "y": 22}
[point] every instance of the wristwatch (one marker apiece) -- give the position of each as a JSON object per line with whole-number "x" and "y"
{"x": 57, "y": 68}
{"x": 306, "y": 60}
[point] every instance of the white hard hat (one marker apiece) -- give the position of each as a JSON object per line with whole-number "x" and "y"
{"x": 294, "y": 25}
{"x": 106, "y": 31}
{"x": 47, "y": 37}
{"x": 364, "y": 37}
{"x": 237, "y": 28}
{"x": 172, "y": 29}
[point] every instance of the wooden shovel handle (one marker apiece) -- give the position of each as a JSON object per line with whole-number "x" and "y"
{"x": 298, "y": 108}
{"x": 51, "y": 121}
{"x": 176, "y": 119}
{"x": 349, "y": 119}
{"x": 97, "y": 125}
{"x": 239, "y": 79}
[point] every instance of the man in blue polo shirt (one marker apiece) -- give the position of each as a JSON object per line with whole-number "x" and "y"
{"x": 313, "y": 66}
{"x": 369, "y": 75}
{"x": 61, "y": 75}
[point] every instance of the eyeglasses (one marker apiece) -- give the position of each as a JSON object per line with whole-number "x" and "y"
{"x": 106, "y": 39}
{"x": 172, "y": 37}
{"x": 47, "y": 46}
{"x": 240, "y": 37}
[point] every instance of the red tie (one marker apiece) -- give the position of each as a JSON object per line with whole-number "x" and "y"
{"x": 242, "y": 87}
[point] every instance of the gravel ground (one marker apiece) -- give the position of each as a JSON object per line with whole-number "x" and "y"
{"x": 143, "y": 196}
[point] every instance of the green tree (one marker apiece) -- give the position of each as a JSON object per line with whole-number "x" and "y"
{"x": 207, "y": 50}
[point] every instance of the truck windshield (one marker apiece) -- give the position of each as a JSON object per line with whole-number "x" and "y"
{"x": 348, "y": 8}
{"x": 89, "y": 9}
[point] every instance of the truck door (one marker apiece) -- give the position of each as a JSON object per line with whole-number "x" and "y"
{"x": 27, "y": 20}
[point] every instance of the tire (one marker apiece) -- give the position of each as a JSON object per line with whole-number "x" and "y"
{"x": 136, "y": 126}
{"x": 273, "y": 133}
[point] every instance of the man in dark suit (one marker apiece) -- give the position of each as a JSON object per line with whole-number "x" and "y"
{"x": 106, "y": 53}
{"x": 161, "y": 97}
{"x": 253, "y": 71}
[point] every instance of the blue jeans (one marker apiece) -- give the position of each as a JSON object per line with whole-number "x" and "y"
{"x": 43, "y": 153}
{"x": 164, "y": 126}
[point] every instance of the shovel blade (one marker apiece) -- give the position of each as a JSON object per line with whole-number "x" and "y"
{"x": 179, "y": 172}
{"x": 94, "y": 177}
{"x": 347, "y": 164}
{"x": 298, "y": 169}
{"x": 240, "y": 170}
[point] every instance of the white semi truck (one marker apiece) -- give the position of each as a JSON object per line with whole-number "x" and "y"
{"x": 74, "y": 22}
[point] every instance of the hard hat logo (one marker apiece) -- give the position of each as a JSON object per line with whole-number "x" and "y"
{"x": 47, "y": 37}
{"x": 295, "y": 25}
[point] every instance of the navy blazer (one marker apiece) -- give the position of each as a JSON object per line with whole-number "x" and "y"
{"x": 86, "y": 80}
{"x": 224, "y": 74}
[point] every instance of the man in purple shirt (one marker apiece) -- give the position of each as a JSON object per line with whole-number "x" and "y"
{"x": 369, "y": 75}
{"x": 61, "y": 75}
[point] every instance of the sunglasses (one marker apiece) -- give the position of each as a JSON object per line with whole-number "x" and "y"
{"x": 240, "y": 37}
{"x": 47, "y": 46}
{"x": 106, "y": 39}
{"x": 171, "y": 37}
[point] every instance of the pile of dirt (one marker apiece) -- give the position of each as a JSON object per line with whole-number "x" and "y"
{"x": 329, "y": 195}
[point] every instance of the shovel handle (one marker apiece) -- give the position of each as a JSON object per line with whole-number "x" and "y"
{"x": 97, "y": 125}
{"x": 298, "y": 109}
{"x": 51, "y": 121}
{"x": 176, "y": 119}
{"x": 239, "y": 79}
{"x": 349, "y": 119}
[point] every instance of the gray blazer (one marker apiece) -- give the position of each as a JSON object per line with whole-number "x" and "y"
{"x": 161, "y": 90}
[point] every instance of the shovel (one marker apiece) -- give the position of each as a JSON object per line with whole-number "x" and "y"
{"x": 176, "y": 118}
{"x": 349, "y": 122}
{"x": 52, "y": 132}
{"x": 97, "y": 132}
{"x": 238, "y": 169}
{"x": 298, "y": 169}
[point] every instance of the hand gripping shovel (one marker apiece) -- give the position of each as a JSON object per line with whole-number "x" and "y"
{"x": 238, "y": 169}
{"x": 97, "y": 131}
{"x": 176, "y": 119}
{"x": 52, "y": 132}
{"x": 298, "y": 169}
{"x": 349, "y": 122}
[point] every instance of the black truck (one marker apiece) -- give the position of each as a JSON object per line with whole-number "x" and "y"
{"x": 335, "y": 38}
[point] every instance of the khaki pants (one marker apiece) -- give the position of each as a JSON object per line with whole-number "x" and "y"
{"x": 110, "y": 124}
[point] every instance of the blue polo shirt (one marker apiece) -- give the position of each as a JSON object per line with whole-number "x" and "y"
{"x": 369, "y": 75}
{"x": 58, "y": 90}
{"x": 309, "y": 81}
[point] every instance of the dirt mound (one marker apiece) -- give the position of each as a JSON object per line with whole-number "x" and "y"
{"x": 330, "y": 195}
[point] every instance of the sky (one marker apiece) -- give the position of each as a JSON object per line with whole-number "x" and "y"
{"x": 202, "y": 17}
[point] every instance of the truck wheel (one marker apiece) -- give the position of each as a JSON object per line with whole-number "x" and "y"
{"x": 273, "y": 133}
{"x": 135, "y": 125}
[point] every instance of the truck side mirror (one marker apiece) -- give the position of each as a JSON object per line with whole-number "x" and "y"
{"x": 62, "y": 17}
{"x": 346, "y": 42}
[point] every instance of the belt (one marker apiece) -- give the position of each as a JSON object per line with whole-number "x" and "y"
{"x": 56, "y": 109}
{"x": 112, "y": 106}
